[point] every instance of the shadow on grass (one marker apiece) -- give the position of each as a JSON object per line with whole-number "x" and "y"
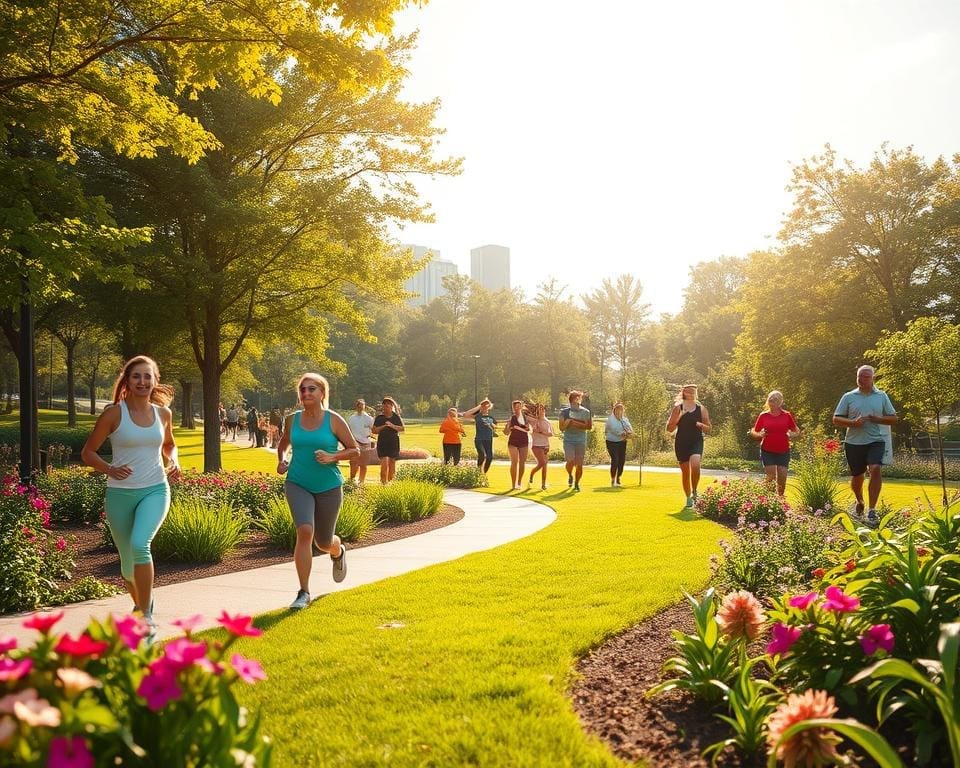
{"x": 686, "y": 514}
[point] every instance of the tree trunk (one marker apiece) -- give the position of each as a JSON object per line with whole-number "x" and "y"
{"x": 943, "y": 469}
{"x": 70, "y": 347}
{"x": 186, "y": 418}
{"x": 211, "y": 394}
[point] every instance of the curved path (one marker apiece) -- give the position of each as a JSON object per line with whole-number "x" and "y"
{"x": 488, "y": 522}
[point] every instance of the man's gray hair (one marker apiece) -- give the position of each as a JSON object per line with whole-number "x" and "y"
{"x": 866, "y": 368}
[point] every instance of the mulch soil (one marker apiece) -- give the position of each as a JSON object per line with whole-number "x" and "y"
{"x": 609, "y": 695}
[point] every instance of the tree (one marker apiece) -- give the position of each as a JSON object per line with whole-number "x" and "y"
{"x": 645, "y": 401}
{"x": 562, "y": 340}
{"x": 711, "y": 317}
{"x": 920, "y": 368}
{"x": 616, "y": 311}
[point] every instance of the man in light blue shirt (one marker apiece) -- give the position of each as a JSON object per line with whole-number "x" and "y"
{"x": 862, "y": 411}
{"x": 575, "y": 423}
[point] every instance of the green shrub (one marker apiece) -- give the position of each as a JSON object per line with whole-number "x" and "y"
{"x": 405, "y": 500}
{"x": 817, "y": 474}
{"x": 85, "y": 588}
{"x": 277, "y": 522}
{"x": 197, "y": 532}
{"x": 745, "y": 498}
{"x": 247, "y": 492}
{"x": 72, "y": 437}
{"x": 356, "y": 518}
{"x": 447, "y": 475}
{"x": 75, "y": 493}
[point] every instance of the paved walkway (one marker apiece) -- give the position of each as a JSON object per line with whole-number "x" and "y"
{"x": 489, "y": 521}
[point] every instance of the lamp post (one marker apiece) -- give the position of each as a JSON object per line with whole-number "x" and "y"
{"x": 476, "y": 387}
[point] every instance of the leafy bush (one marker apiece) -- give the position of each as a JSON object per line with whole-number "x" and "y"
{"x": 769, "y": 559}
{"x": 247, "y": 492}
{"x": 746, "y": 498}
{"x": 84, "y": 588}
{"x": 405, "y": 500}
{"x": 198, "y": 532}
{"x": 108, "y": 698}
{"x": 72, "y": 437}
{"x": 447, "y": 475}
{"x": 817, "y": 474}
{"x": 75, "y": 493}
{"x": 356, "y": 518}
{"x": 277, "y": 522}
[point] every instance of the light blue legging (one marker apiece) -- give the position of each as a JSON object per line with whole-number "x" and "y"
{"x": 135, "y": 515}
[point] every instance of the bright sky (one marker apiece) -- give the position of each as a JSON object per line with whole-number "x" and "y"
{"x": 625, "y": 136}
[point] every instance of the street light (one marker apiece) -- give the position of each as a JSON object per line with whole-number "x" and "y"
{"x": 476, "y": 388}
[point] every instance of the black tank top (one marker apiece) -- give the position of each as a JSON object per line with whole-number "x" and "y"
{"x": 687, "y": 429}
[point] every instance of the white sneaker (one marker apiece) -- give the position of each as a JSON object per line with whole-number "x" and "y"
{"x": 302, "y": 601}
{"x": 340, "y": 564}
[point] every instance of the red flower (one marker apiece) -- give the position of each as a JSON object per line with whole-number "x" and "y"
{"x": 239, "y": 625}
{"x": 831, "y": 446}
{"x": 922, "y": 551}
{"x": 849, "y": 565}
{"x": 82, "y": 646}
{"x": 819, "y": 573}
{"x": 43, "y": 621}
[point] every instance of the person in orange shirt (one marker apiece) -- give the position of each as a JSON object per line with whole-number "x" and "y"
{"x": 452, "y": 431}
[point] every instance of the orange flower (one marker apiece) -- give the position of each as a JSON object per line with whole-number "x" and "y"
{"x": 814, "y": 746}
{"x": 740, "y": 615}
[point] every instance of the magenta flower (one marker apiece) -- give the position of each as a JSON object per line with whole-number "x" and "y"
{"x": 878, "y": 636}
{"x": 43, "y": 621}
{"x": 839, "y": 602}
{"x": 82, "y": 646}
{"x": 181, "y": 653}
{"x": 248, "y": 670}
{"x": 190, "y": 623}
{"x": 69, "y": 752}
{"x": 803, "y": 601}
{"x": 61, "y": 544}
{"x": 784, "y": 636}
{"x": 239, "y": 625}
{"x": 208, "y": 666}
{"x": 14, "y": 670}
{"x": 158, "y": 688}
{"x": 7, "y": 643}
{"x": 131, "y": 630}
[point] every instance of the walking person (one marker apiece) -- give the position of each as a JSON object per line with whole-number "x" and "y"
{"x": 361, "y": 425}
{"x": 139, "y": 426}
{"x": 517, "y": 430}
{"x": 775, "y": 428}
{"x": 862, "y": 411}
{"x": 485, "y": 423}
{"x": 453, "y": 433}
{"x": 314, "y": 485}
{"x": 690, "y": 419}
{"x": 617, "y": 432}
{"x": 387, "y": 427}
{"x": 233, "y": 420}
{"x": 576, "y": 423}
{"x": 541, "y": 431}
{"x": 253, "y": 424}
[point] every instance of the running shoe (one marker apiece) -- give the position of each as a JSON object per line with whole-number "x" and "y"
{"x": 340, "y": 564}
{"x": 301, "y": 601}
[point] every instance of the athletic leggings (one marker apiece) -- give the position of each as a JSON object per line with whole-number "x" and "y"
{"x": 451, "y": 453}
{"x": 618, "y": 457}
{"x": 135, "y": 515}
{"x": 484, "y": 453}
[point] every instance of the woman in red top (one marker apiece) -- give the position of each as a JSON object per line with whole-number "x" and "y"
{"x": 774, "y": 429}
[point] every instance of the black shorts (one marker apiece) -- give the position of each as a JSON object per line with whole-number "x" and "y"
{"x": 771, "y": 459}
{"x": 859, "y": 457}
{"x": 388, "y": 451}
{"x": 684, "y": 451}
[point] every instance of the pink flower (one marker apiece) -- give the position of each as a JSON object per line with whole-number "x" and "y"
{"x": 211, "y": 667}
{"x": 239, "y": 625}
{"x": 69, "y": 752}
{"x": 82, "y": 646}
{"x": 14, "y": 670}
{"x": 43, "y": 621}
{"x": 803, "y": 601}
{"x": 839, "y": 602}
{"x": 190, "y": 623}
{"x": 181, "y": 653}
{"x": 61, "y": 544}
{"x": 8, "y": 729}
{"x": 784, "y": 636}
{"x": 37, "y": 713}
{"x": 7, "y": 643}
{"x": 131, "y": 630}
{"x": 814, "y": 746}
{"x": 248, "y": 670}
{"x": 158, "y": 688}
{"x": 878, "y": 636}
{"x": 740, "y": 615}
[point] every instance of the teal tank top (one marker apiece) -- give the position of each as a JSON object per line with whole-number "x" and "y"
{"x": 304, "y": 469}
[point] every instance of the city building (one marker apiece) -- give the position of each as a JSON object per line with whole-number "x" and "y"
{"x": 490, "y": 266}
{"x": 427, "y": 284}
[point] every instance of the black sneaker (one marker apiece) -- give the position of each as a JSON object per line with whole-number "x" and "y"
{"x": 301, "y": 601}
{"x": 569, "y": 480}
{"x": 340, "y": 564}
{"x": 872, "y": 521}
{"x": 576, "y": 487}
{"x": 858, "y": 510}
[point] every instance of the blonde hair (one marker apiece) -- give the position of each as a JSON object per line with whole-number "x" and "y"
{"x": 679, "y": 398}
{"x": 774, "y": 394}
{"x": 321, "y": 382}
{"x": 161, "y": 394}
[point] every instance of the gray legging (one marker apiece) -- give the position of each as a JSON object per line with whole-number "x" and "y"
{"x": 320, "y": 510}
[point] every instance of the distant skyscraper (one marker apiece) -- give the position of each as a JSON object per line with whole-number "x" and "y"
{"x": 428, "y": 282}
{"x": 490, "y": 266}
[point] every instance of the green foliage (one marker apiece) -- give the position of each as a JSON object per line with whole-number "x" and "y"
{"x": 76, "y": 494}
{"x": 72, "y": 437}
{"x": 705, "y": 657}
{"x": 199, "y": 532}
{"x": 770, "y": 559}
{"x": 644, "y": 397}
{"x": 118, "y": 700}
{"x": 871, "y": 742}
{"x": 85, "y": 588}
{"x": 446, "y": 475}
{"x": 749, "y": 703}
{"x": 277, "y": 522}
{"x": 247, "y": 492}
{"x": 817, "y": 474}
{"x": 405, "y": 500}
{"x": 745, "y": 498}
{"x": 356, "y": 518}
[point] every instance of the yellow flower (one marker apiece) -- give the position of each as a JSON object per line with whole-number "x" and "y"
{"x": 740, "y": 615}
{"x": 812, "y": 747}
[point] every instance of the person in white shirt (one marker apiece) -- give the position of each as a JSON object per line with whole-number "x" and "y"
{"x": 360, "y": 423}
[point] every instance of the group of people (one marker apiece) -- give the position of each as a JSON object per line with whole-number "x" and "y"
{"x": 139, "y": 426}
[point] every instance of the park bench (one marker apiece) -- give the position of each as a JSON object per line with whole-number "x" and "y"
{"x": 925, "y": 444}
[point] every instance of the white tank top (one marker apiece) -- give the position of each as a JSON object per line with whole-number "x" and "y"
{"x": 139, "y": 448}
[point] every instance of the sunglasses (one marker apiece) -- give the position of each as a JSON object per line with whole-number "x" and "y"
{"x": 309, "y": 389}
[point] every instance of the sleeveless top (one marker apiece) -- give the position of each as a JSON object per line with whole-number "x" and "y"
{"x": 139, "y": 448}
{"x": 516, "y": 438}
{"x": 688, "y": 433}
{"x": 304, "y": 469}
